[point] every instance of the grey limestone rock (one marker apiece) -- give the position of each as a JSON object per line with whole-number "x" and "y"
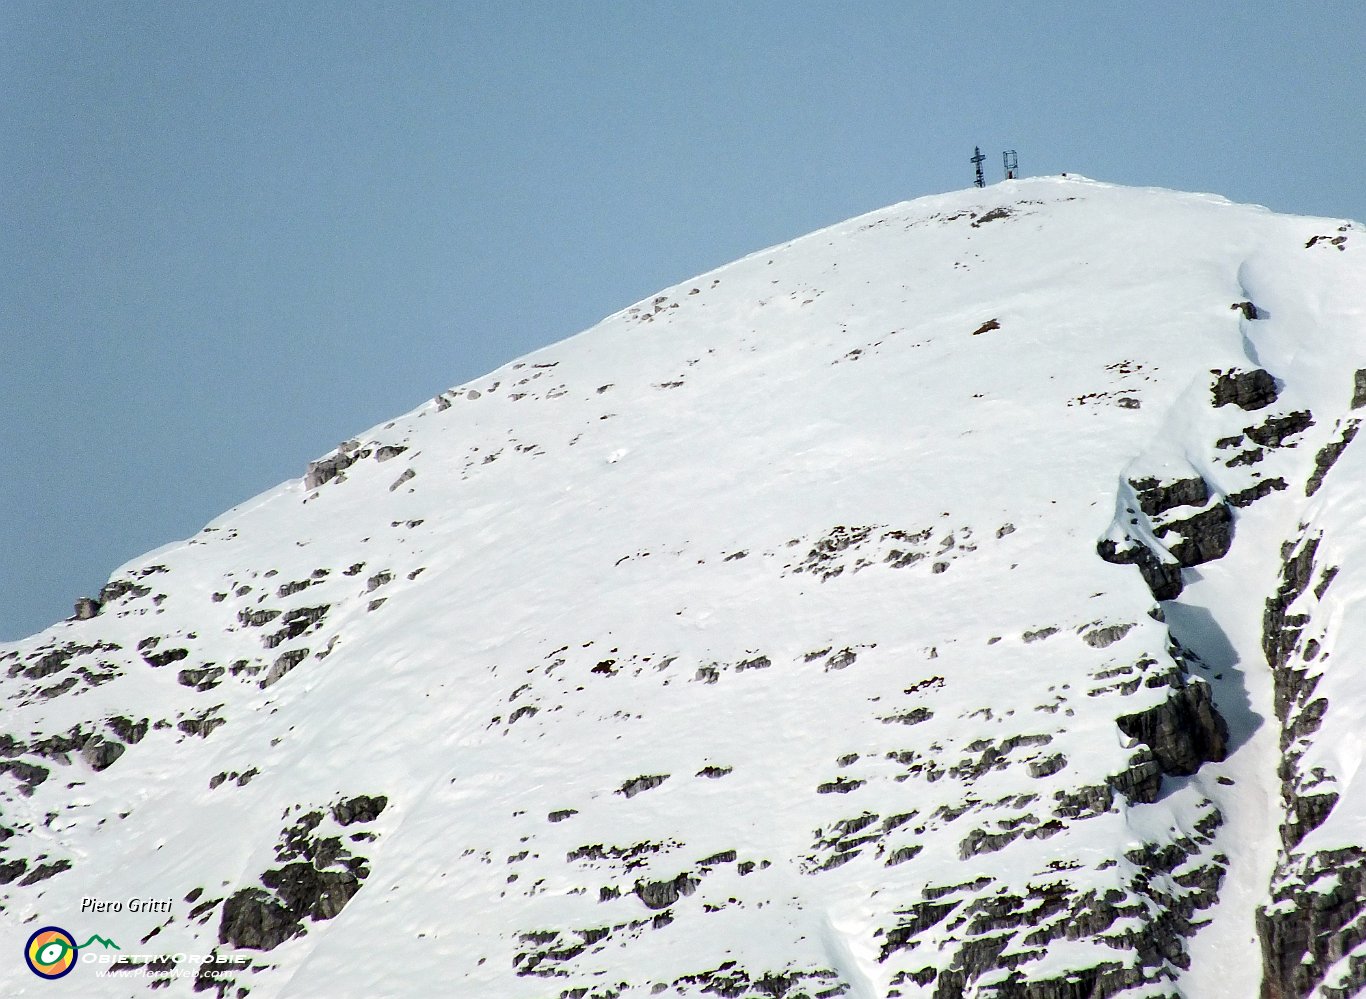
{"x": 100, "y": 753}
{"x": 1104, "y": 637}
{"x": 295, "y": 623}
{"x": 1328, "y": 456}
{"x": 1305, "y": 932}
{"x": 1281, "y": 629}
{"x": 1156, "y": 496}
{"x": 1183, "y": 732}
{"x": 317, "y": 881}
{"x": 307, "y": 891}
{"x": 256, "y": 618}
{"x": 1256, "y": 491}
{"x": 128, "y": 730}
{"x": 1247, "y": 390}
{"x": 120, "y": 588}
{"x": 205, "y": 678}
{"x": 282, "y": 665}
{"x": 254, "y": 920}
{"x": 636, "y": 785}
{"x": 1163, "y": 578}
{"x": 662, "y": 894}
{"x": 1314, "y": 918}
{"x": 362, "y": 808}
{"x": 1140, "y": 783}
{"x": 12, "y": 870}
{"x": 1205, "y": 536}
{"x": 1274, "y": 431}
{"x": 166, "y": 657}
{"x": 326, "y": 469}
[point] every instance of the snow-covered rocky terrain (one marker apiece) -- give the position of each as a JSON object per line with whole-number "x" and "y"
{"x": 968, "y": 599}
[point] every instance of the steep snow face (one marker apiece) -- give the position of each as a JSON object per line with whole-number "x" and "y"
{"x": 884, "y": 614}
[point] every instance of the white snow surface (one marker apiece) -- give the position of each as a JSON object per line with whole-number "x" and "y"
{"x": 810, "y": 537}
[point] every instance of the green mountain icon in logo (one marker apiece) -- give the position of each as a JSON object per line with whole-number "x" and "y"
{"x": 96, "y": 938}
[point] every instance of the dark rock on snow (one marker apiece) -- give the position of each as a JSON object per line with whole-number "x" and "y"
{"x": 1163, "y": 578}
{"x": 1245, "y": 389}
{"x": 1155, "y": 496}
{"x": 662, "y": 894}
{"x": 1183, "y": 732}
{"x": 1328, "y": 456}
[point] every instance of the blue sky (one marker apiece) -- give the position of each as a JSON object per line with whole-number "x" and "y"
{"x": 236, "y": 234}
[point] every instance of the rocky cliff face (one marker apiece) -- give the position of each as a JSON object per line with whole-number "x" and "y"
{"x": 959, "y": 601}
{"x": 1314, "y": 922}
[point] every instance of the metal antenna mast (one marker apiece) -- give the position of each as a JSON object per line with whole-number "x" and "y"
{"x": 1012, "y": 163}
{"x": 977, "y": 160}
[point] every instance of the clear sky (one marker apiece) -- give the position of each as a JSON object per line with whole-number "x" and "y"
{"x": 235, "y": 234}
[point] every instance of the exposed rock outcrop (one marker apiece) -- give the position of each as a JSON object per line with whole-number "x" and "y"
{"x": 1328, "y": 456}
{"x": 320, "y": 877}
{"x": 362, "y": 808}
{"x": 1248, "y": 390}
{"x": 1183, "y": 732}
{"x": 120, "y": 588}
{"x": 101, "y": 753}
{"x": 1174, "y": 879}
{"x": 326, "y": 469}
{"x": 1280, "y": 628}
{"x": 1318, "y": 897}
{"x": 1163, "y": 578}
{"x": 1157, "y": 497}
{"x": 254, "y": 920}
{"x": 1312, "y": 923}
{"x": 285, "y": 662}
{"x": 1184, "y": 541}
{"x": 1274, "y": 431}
{"x": 1258, "y": 490}
{"x": 662, "y": 894}
{"x": 1204, "y": 536}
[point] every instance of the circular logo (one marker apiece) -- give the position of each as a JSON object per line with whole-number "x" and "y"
{"x": 50, "y": 952}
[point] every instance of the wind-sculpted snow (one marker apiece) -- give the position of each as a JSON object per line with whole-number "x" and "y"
{"x": 900, "y": 611}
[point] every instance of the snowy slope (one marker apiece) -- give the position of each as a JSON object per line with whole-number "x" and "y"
{"x": 758, "y": 642}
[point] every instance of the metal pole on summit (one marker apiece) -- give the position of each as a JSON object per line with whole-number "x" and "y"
{"x": 1012, "y": 163}
{"x": 977, "y": 160}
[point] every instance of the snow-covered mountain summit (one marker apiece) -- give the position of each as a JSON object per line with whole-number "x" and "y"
{"x": 963, "y": 600}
